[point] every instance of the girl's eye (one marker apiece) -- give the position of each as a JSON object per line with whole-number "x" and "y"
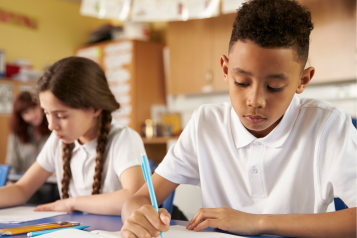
{"x": 244, "y": 85}
{"x": 275, "y": 89}
{"x": 59, "y": 117}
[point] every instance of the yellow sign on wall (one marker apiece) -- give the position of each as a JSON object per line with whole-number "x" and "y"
{"x": 17, "y": 19}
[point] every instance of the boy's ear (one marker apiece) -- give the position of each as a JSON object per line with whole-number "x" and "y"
{"x": 224, "y": 66}
{"x": 305, "y": 79}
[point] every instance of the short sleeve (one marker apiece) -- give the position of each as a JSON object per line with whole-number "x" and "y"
{"x": 126, "y": 149}
{"x": 180, "y": 165}
{"x": 337, "y": 159}
{"x": 46, "y": 158}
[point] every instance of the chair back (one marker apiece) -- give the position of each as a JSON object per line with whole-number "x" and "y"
{"x": 168, "y": 204}
{"x": 339, "y": 204}
{"x": 4, "y": 172}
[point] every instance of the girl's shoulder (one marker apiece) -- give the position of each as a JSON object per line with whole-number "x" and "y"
{"x": 124, "y": 145}
{"x": 123, "y": 134}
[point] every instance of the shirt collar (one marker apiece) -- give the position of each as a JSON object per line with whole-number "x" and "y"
{"x": 89, "y": 147}
{"x": 276, "y": 137}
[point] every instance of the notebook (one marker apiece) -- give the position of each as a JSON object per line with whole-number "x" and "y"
{"x": 174, "y": 232}
{"x": 24, "y": 214}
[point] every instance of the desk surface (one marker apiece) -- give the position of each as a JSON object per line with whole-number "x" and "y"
{"x": 96, "y": 222}
{"x": 16, "y": 176}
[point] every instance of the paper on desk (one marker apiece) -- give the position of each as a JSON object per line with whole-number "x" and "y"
{"x": 23, "y": 214}
{"x": 174, "y": 232}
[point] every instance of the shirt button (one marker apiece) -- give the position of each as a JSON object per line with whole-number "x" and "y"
{"x": 254, "y": 170}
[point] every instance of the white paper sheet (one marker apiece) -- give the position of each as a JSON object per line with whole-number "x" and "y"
{"x": 202, "y": 8}
{"x": 71, "y": 233}
{"x": 231, "y": 6}
{"x": 108, "y": 9}
{"x": 174, "y": 232}
{"x": 6, "y": 98}
{"x": 155, "y": 10}
{"x": 24, "y": 214}
{"x": 118, "y": 48}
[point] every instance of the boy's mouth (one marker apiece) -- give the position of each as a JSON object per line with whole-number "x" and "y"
{"x": 254, "y": 119}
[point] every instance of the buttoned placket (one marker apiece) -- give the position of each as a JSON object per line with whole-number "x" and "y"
{"x": 82, "y": 157}
{"x": 255, "y": 172}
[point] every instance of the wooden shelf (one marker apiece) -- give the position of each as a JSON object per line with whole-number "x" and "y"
{"x": 158, "y": 140}
{"x": 11, "y": 80}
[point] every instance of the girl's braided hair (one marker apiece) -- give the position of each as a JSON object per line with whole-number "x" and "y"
{"x": 81, "y": 84}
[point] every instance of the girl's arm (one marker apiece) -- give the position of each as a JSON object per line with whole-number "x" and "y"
{"x": 107, "y": 204}
{"x": 23, "y": 189}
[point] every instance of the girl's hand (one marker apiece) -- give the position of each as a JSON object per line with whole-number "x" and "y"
{"x": 226, "y": 219}
{"x": 146, "y": 222}
{"x": 65, "y": 205}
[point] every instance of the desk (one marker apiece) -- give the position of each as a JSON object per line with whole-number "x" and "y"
{"x": 96, "y": 222}
{"x": 16, "y": 176}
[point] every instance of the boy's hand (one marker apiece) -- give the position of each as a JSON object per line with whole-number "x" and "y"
{"x": 65, "y": 205}
{"x": 146, "y": 222}
{"x": 226, "y": 219}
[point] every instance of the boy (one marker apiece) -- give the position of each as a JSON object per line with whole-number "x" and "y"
{"x": 268, "y": 162}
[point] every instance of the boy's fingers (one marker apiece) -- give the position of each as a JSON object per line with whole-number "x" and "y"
{"x": 165, "y": 216}
{"x": 136, "y": 230}
{"x": 202, "y": 215}
{"x": 189, "y": 225}
{"x": 207, "y": 223}
{"x": 141, "y": 220}
{"x": 127, "y": 234}
{"x": 153, "y": 217}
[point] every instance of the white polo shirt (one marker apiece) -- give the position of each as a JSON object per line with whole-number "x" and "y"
{"x": 306, "y": 161}
{"x": 123, "y": 150}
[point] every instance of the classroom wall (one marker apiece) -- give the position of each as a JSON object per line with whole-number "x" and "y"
{"x": 341, "y": 94}
{"x": 60, "y": 31}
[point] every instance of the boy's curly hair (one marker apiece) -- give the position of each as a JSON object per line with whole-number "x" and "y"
{"x": 274, "y": 24}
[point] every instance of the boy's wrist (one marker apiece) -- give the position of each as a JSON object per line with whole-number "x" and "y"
{"x": 263, "y": 224}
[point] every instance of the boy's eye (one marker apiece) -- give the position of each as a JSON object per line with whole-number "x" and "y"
{"x": 244, "y": 85}
{"x": 275, "y": 89}
{"x": 61, "y": 117}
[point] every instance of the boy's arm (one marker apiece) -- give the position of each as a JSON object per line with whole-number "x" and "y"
{"x": 163, "y": 188}
{"x": 138, "y": 215}
{"x": 332, "y": 224}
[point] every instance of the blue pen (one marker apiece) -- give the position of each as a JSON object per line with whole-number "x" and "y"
{"x": 147, "y": 177}
{"x": 37, "y": 233}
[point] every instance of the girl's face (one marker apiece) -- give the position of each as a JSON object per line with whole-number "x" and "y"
{"x": 67, "y": 123}
{"x": 33, "y": 116}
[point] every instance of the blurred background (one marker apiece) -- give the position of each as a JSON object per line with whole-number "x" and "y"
{"x": 161, "y": 58}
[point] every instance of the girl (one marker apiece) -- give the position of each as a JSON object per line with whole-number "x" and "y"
{"x": 29, "y": 133}
{"x": 97, "y": 164}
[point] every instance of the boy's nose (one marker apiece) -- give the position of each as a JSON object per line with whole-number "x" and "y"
{"x": 256, "y": 99}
